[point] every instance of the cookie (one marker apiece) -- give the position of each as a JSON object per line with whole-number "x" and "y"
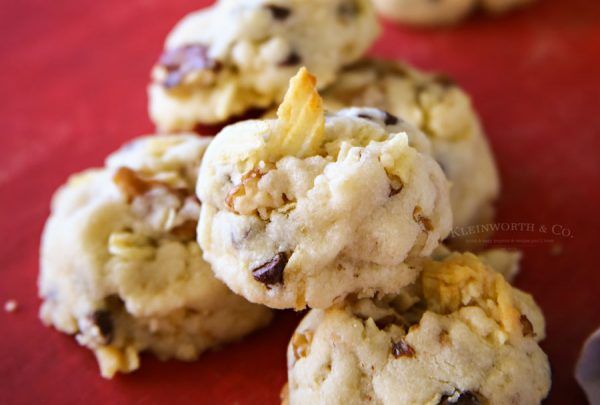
{"x": 440, "y": 109}
{"x": 441, "y": 12}
{"x": 460, "y": 334}
{"x": 120, "y": 266}
{"x": 236, "y": 56}
{"x": 307, "y": 208}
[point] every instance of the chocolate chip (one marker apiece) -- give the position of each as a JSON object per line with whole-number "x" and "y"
{"x": 278, "y": 12}
{"x": 292, "y": 59}
{"x": 526, "y": 326}
{"x": 271, "y": 272}
{"x": 402, "y": 349}
{"x": 390, "y": 119}
{"x": 181, "y": 61}
{"x": 465, "y": 398}
{"x": 102, "y": 319}
{"x": 366, "y": 116}
{"x": 348, "y": 9}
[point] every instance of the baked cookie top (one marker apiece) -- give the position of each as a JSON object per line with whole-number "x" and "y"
{"x": 307, "y": 208}
{"x": 120, "y": 265}
{"x": 443, "y": 111}
{"x": 239, "y": 55}
{"x": 460, "y": 334}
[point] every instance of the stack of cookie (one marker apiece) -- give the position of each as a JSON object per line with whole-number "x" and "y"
{"x": 337, "y": 199}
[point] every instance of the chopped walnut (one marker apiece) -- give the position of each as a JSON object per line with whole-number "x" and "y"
{"x": 130, "y": 183}
{"x": 420, "y": 219}
{"x": 248, "y": 198}
{"x": 249, "y": 180}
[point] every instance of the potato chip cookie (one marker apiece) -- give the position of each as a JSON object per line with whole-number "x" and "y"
{"x": 441, "y": 12}
{"x": 438, "y": 107}
{"x": 461, "y": 334}
{"x": 237, "y": 56}
{"x": 120, "y": 265}
{"x": 307, "y": 208}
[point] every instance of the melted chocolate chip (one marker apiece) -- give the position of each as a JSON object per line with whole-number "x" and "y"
{"x": 103, "y": 321}
{"x": 184, "y": 60}
{"x": 271, "y": 272}
{"x": 390, "y": 119}
{"x": 402, "y": 349}
{"x": 526, "y": 326}
{"x": 278, "y": 12}
{"x": 292, "y": 59}
{"x": 465, "y": 398}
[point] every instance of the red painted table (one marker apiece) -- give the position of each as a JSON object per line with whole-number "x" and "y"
{"x": 73, "y": 89}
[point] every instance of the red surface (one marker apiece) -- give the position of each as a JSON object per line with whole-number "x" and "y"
{"x": 73, "y": 80}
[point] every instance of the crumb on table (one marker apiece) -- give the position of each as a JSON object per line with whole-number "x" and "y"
{"x": 11, "y": 306}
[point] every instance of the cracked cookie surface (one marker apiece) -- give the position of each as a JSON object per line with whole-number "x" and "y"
{"x": 307, "y": 208}
{"x": 120, "y": 265}
{"x": 460, "y": 334}
{"x": 237, "y": 56}
{"x": 438, "y": 107}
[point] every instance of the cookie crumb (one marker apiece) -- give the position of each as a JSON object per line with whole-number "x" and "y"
{"x": 11, "y": 306}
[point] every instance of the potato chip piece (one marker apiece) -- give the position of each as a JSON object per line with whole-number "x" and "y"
{"x": 301, "y": 119}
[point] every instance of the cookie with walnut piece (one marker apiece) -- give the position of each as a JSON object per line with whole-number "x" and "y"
{"x": 443, "y": 111}
{"x": 120, "y": 266}
{"x": 308, "y": 208}
{"x": 460, "y": 335}
{"x": 237, "y": 56}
